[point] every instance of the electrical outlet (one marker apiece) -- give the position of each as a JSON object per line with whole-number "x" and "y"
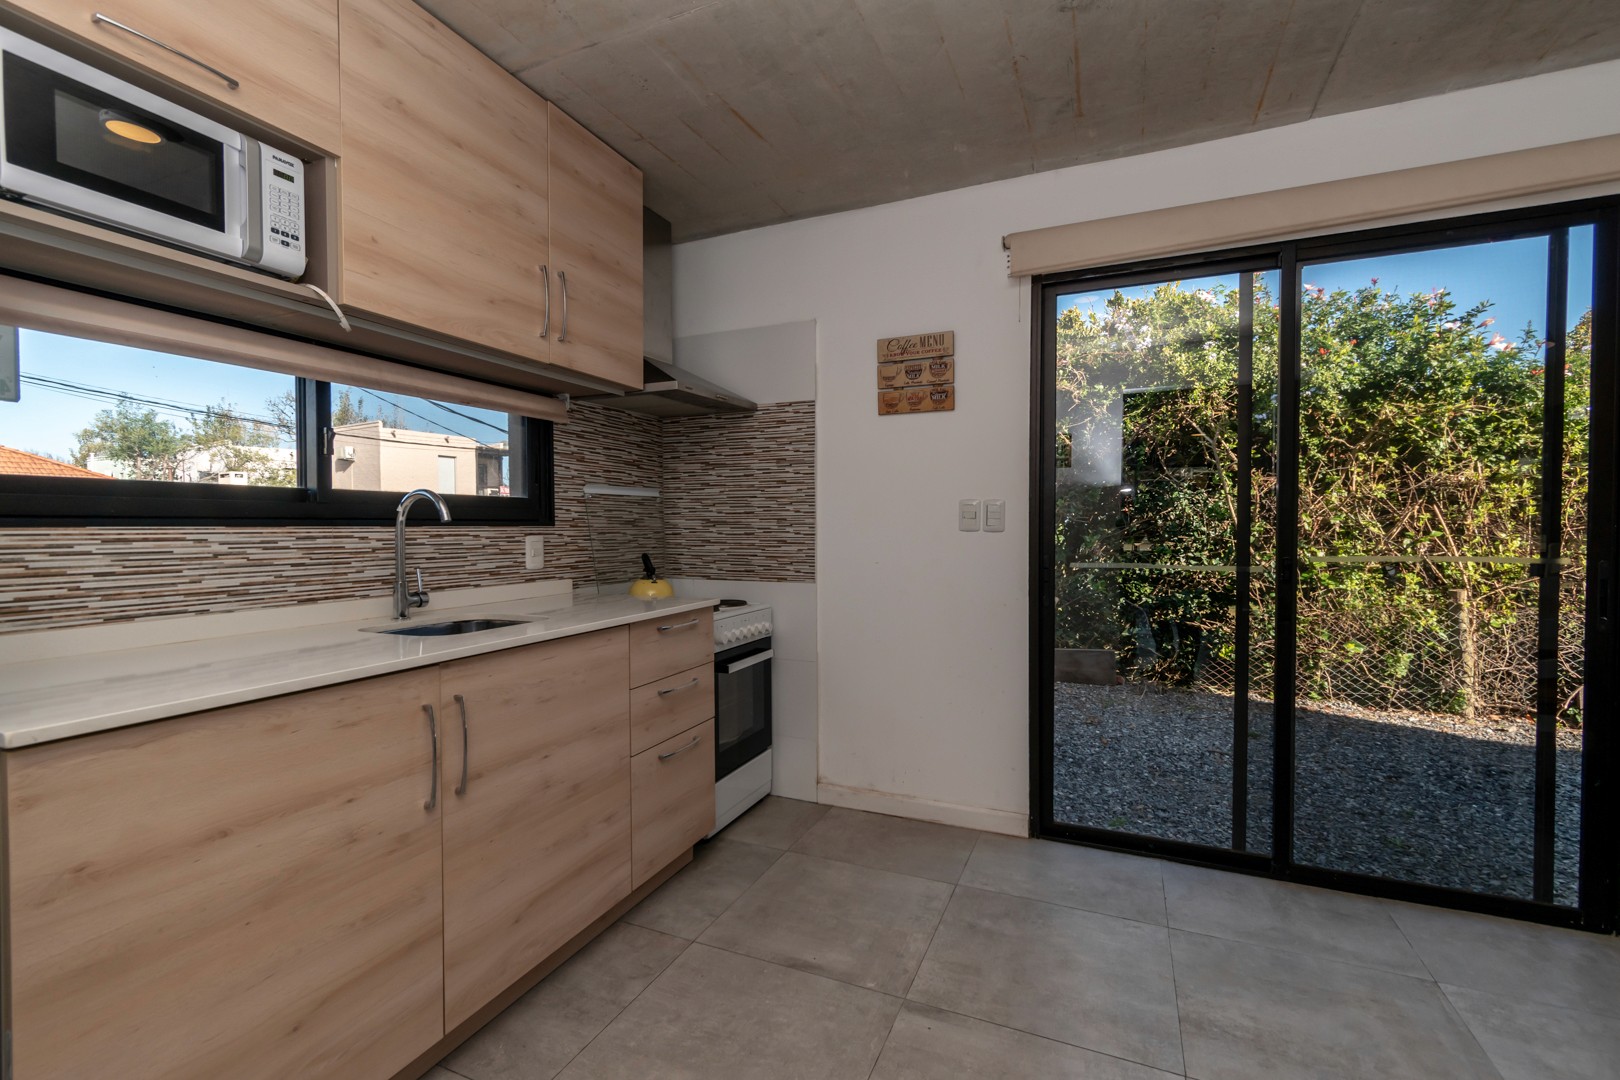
{"x": 967, "y": 515}
{"x": 995, "y": 515}
{"x": 534, "y": 552}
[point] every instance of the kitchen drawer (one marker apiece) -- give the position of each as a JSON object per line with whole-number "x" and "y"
{"x": 663, "y": 709}
{"x": 671, "y": 799}
{"x": 663, "y": 647}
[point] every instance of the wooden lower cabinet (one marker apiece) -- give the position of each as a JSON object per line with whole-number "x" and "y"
{"x": 672, "y": 797}
{"x": 537, "y": 837}
{"x": 252, "y": 892}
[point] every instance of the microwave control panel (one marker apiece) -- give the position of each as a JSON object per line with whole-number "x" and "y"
{"x": 282, "y": 212}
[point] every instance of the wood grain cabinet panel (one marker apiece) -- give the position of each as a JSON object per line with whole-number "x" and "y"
{"x": 663, "y": 647}
{"x": 252, "y": 892}
{"x": 284, "y": 55}
{"x": 596, "y": 247}
{"x": 444, "y": 182}
{"x": 670, "y": 706}
{"x": 537, "y": 838}
{"x": 671, "y": 798}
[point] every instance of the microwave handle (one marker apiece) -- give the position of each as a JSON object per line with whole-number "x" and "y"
{"x": 747, "y": 662}
{"x": 98, "y": 17}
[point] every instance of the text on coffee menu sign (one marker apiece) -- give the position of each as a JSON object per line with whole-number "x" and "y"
{"x": 916, "y": 346}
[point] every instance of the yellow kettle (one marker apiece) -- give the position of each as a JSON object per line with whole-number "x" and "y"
{"x": 651, "y": 587}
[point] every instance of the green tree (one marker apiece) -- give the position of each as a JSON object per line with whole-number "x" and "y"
{"x": 149, "y": 447}
{"x": 1420, "y": 436}
{"x": 233, "y": 443}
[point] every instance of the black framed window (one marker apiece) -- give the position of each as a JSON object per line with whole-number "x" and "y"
{"x": 101, "y": 432}
{"x": 1322, "y": 560}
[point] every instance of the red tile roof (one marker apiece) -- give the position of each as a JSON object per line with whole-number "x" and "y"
{"x": 21, "y": 462}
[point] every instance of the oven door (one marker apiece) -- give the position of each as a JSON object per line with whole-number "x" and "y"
{"x": 80, "y": 140}
{"x": 742, "y": 705}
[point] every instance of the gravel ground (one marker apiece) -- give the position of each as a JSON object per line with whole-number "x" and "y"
{"x": 1412, "y": 796}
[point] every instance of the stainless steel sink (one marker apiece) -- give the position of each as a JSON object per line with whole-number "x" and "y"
{"x": 442, "y": 629}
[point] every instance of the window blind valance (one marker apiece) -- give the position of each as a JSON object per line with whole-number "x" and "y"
{"x": 37, "y": 306}
{"x": 1314, "y": 208}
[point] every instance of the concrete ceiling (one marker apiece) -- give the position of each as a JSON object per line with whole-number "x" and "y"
{"x": 749, "y": 112}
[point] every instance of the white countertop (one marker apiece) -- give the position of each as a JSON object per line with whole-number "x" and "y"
{"x": 56, "y": 698}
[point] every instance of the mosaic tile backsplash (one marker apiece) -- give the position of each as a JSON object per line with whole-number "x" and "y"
{"x": 738, "y": 503}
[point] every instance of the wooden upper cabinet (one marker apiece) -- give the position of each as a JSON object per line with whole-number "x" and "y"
{"x": 443, "y": 175}
{"x": 284, "y": 54}
{"x": 252, "y": 892}
{"x": 596, "y": 247}
{"x": 536, "y": 808}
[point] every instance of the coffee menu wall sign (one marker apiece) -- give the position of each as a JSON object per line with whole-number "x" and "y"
{"x": 917, "y": 373}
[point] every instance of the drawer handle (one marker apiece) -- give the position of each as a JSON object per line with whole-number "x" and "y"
{"x": 98, "y": 17}
{"x": 676, "y": 753}
{"x": 461, "y": 788}
{"x": 677, "y": 626}
{"x": 678, "y": 689}
{"x": 433, "y": 733}
{"x": 545, "y": 287}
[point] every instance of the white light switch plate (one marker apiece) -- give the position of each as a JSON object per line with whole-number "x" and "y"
{"x": 534, "y": 552}
{"x": 967, "y": 515}
{"x": 995, "y": 515}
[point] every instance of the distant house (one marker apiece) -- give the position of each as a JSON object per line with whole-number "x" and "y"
{"x": 207, "y": 466}
{"x": 22, "y": 463}
{"x": 371, "y": 456}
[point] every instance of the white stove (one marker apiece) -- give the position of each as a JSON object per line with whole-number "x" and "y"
{"x": 740, "y": 625}
{"x": 742, "y": 708}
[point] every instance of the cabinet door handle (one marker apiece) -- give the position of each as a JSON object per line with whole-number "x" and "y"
{"x": 678, "y": 689}
{"x": 676, "y": 753}
{"x": 461, "y": 788}
{"x": 433, "y": 733}
{"x": 562, "y": 334}
{"x": 677, "y": 626}
{"x": 545, "y": 287}
{"x": 98, "y": 17}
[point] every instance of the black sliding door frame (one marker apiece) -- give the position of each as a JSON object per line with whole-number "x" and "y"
{"x": 1599, "y": 898}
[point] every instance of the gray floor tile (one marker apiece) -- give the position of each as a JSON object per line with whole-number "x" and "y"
{"x": 863, "y": 926}
{"x": 715, "y": 1014}
{"x": 775, "y": 822}
{"x": 719, "y": 872}
{"x": 1125, "y": 885}
{"x": 930, "y": 1044}
{"x": 919, "y": 848}
{"x": 1321, "y": 922}
{"x": 437, "y": 1073}
{"x": 1080, "y": 977}
{"x": 1528, "y": 1041}
{"x": 1568, "y": 968}
{"x": 543, "y": 1030}
{"x": 1254, "y": 1013}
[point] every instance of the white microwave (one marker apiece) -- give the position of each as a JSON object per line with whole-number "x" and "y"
{"x": 76, "y": 139}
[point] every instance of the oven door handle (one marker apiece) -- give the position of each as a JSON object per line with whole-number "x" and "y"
{"x": 747, "y": 662}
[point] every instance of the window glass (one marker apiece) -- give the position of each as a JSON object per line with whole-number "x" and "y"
{"x": 393, "y": 442}
{"x": 92, "y": 410}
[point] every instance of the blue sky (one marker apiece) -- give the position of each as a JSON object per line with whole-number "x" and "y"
{"x": 1512, "y": 274}
{"x": 88, "y": 376}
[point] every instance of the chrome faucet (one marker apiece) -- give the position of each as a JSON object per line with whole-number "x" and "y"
{"x": 404, "y": 599}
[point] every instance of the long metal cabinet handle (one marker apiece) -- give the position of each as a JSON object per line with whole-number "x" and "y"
{"x": 562, "y": 334}
{"x": 678, "y": 689}
{"x": 433, "y": 730}
{"x": 98, "y": 17}
{"x": 545, "y": 287}
{"x": 461, "y": 788}
{"x": 674, "y": 753}
{"x": 678, "y": 626}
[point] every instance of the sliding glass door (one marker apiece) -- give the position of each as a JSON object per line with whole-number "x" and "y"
{"x": 1321, "y": 562}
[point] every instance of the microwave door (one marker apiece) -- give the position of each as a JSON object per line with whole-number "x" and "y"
{"x": 82, "y": 141}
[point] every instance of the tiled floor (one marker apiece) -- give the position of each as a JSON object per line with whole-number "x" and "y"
{"x": 807, "y": 942}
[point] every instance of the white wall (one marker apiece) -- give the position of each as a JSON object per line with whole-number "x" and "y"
{"x": 923, "y": 640}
